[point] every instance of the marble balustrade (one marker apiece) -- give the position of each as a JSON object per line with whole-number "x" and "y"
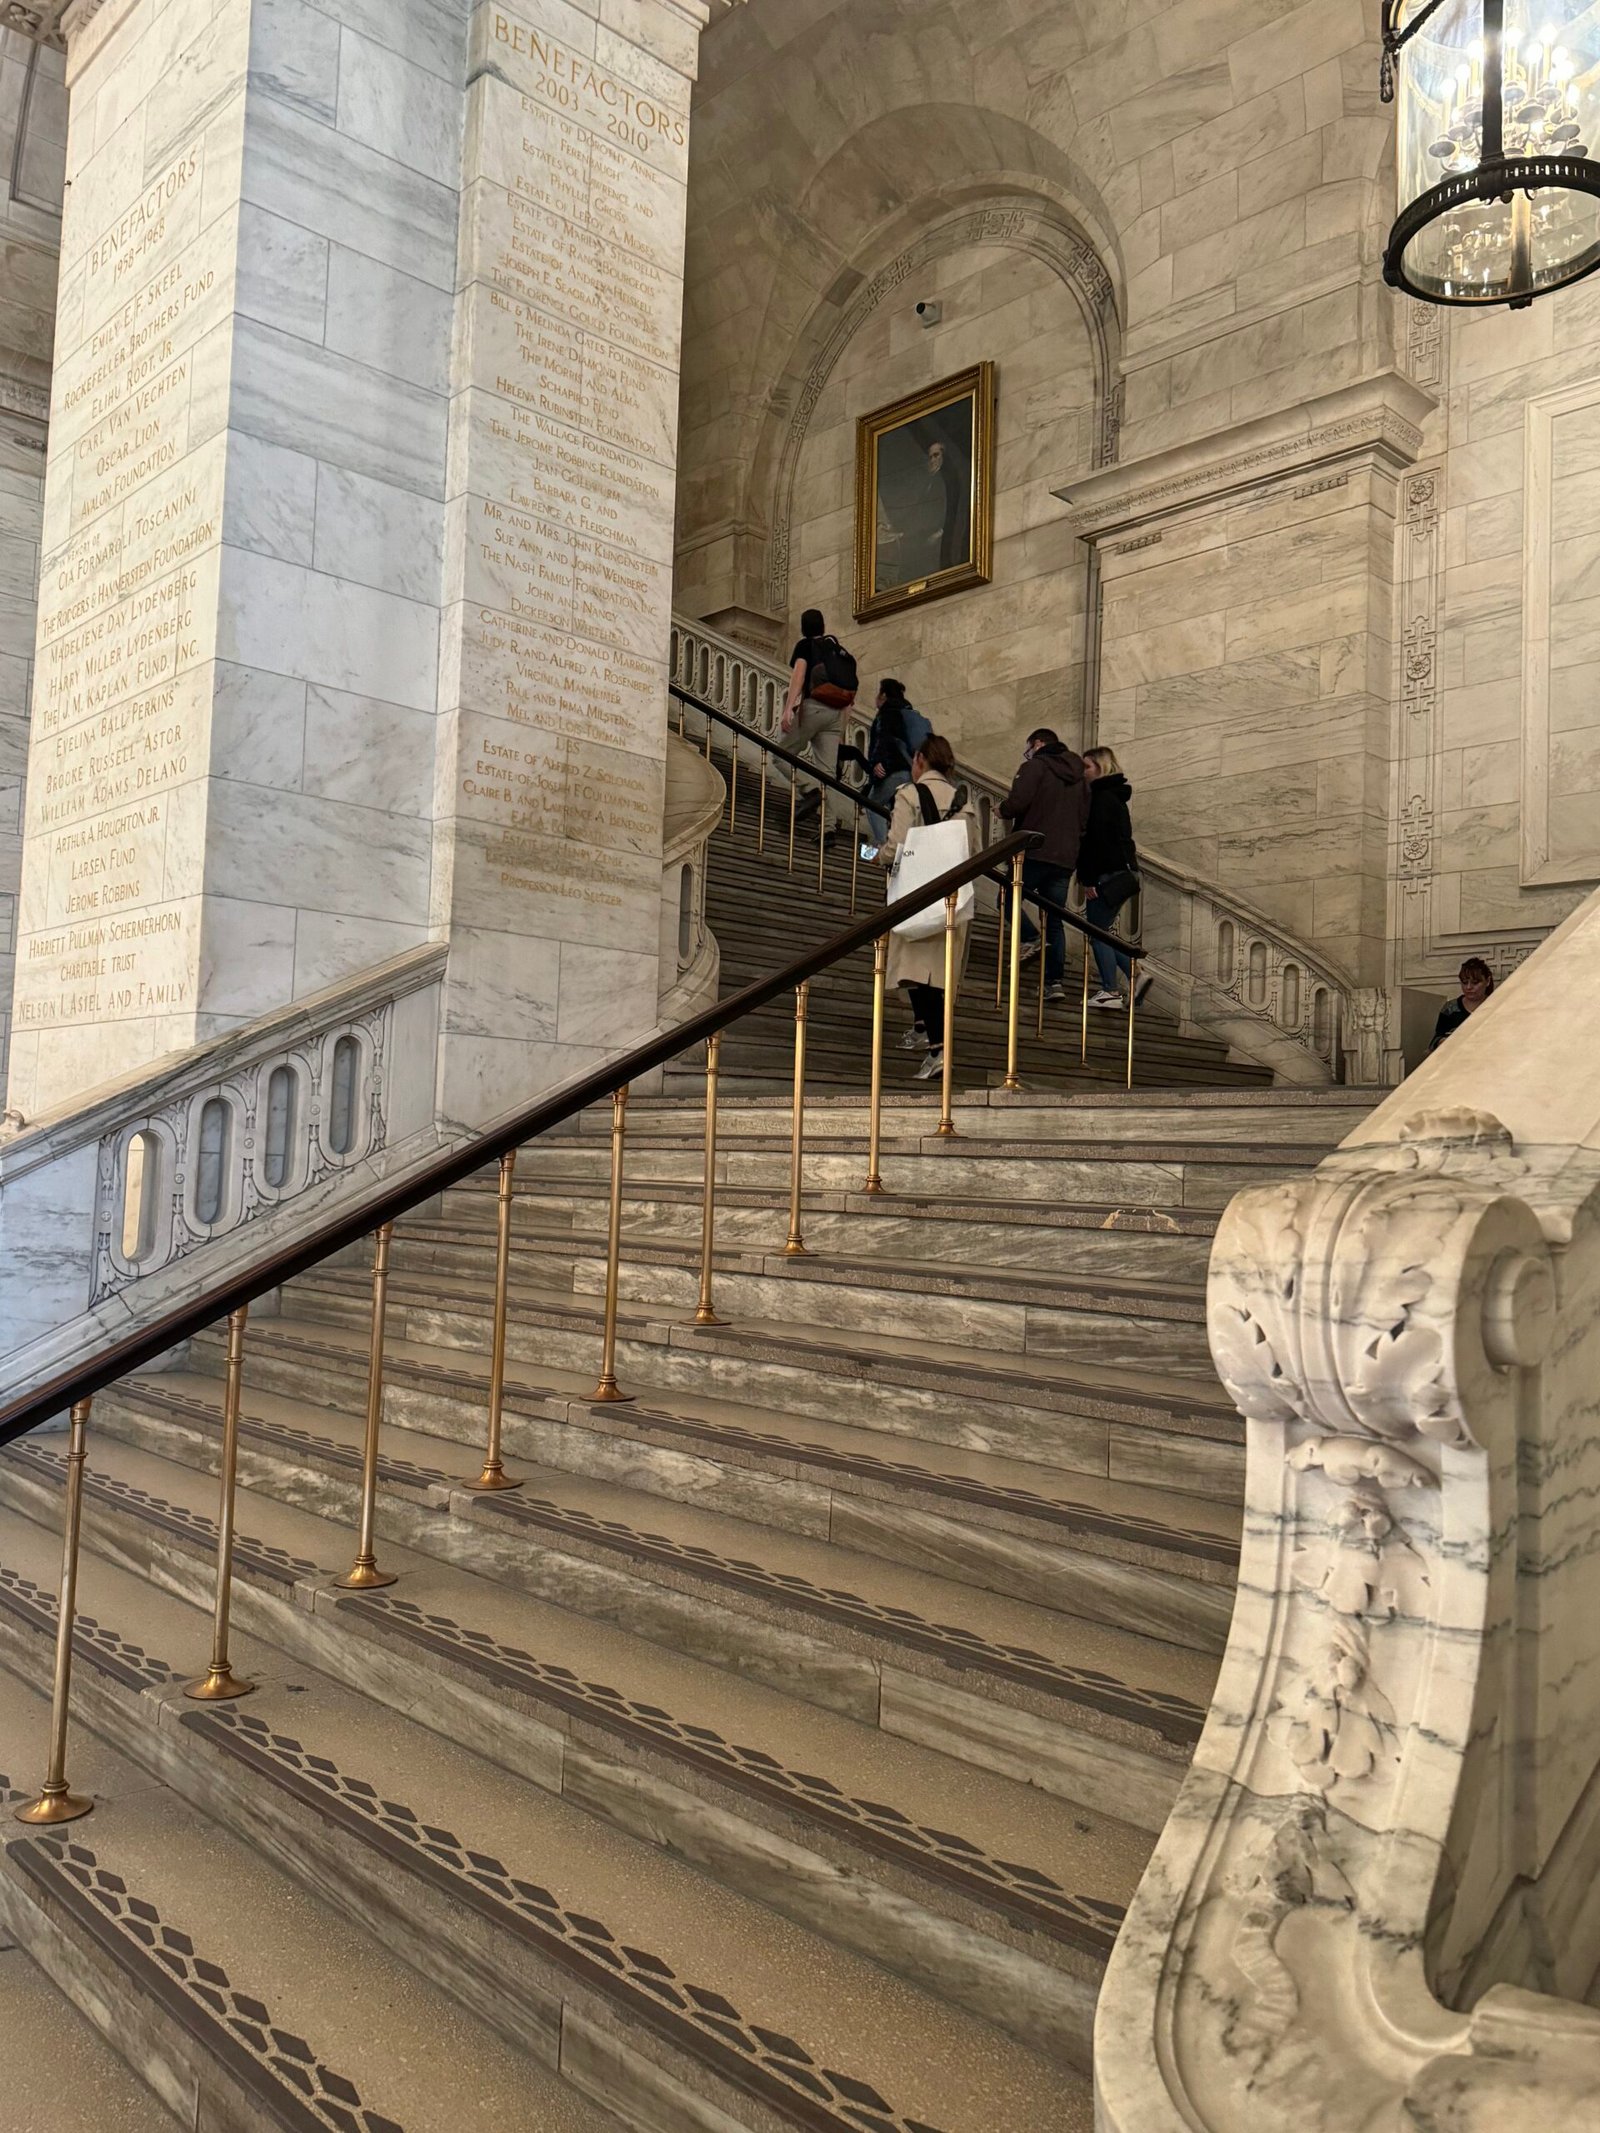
{"x": 1373, "y": 1903}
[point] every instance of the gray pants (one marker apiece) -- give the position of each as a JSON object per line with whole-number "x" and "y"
{"x": 817, "y": 732}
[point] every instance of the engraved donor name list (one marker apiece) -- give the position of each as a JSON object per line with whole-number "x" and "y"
{"x": 126, "y": 623}
{"x": 562, "y": 489}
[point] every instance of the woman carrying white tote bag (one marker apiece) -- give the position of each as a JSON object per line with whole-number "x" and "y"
{"x": 927, "y": 837}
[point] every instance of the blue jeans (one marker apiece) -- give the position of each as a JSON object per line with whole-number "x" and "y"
{"x": 1100, "y": 911}
{"x": 878, "y": 824}
{"x": 1041, "y": 879}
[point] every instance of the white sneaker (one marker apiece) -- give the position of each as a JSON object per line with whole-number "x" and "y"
{"x": 933, "y": 1064}
{"x": 1029, "y": 950}
{"x": 1146, "y": 980}
{"x": 913, "y": 1041}
{"x": 1105, "y": 999}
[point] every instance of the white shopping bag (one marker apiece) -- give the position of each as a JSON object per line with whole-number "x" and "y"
{"x": 931, "y": 849}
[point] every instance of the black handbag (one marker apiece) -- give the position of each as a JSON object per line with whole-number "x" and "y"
{"x": 1119, "y": 888}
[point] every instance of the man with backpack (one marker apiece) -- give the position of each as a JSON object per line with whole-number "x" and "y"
{"x": 1048, "y": 795}
{"x": 822, "y": 687}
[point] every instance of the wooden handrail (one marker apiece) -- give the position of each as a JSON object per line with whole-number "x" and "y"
{"x": 81, "y": 1381}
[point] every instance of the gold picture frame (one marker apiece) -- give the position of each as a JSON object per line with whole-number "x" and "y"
{"x": 925, "y": 495}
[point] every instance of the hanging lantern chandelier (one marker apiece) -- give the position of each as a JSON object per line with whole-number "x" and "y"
{"x": 1499, "y": 105}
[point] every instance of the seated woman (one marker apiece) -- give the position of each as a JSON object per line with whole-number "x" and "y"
{"x": 1477, "y": 982}
{"x": 917, "y": 966}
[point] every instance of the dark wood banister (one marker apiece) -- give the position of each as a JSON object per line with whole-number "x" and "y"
{"x": 81, "y": 1381}
{"x": 858, "y": 799}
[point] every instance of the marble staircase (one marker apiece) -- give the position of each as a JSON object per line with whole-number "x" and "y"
{"x": 760, "y": 910}
{"x": 782, "y": 1754}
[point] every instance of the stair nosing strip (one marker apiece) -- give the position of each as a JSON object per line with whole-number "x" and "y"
{"x": 585, "y": 1703}
{"x": 1173, "y": 1718}
{"x": 45, "y": 1862}
{"x": 239, "y": 1734}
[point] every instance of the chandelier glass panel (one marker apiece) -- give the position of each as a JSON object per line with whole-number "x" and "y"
{"x": 1499, "y": 108}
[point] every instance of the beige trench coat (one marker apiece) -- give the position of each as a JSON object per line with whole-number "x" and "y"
{"x": 922, "y": 962}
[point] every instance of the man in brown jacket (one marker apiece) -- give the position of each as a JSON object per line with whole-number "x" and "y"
{"x": 1049, "y": 795}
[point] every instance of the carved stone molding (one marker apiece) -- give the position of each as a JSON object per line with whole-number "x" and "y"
{"x": 1372, "y": 1323}
{"x": 1380, "y": 419}
{"x": 1034, "y": 227}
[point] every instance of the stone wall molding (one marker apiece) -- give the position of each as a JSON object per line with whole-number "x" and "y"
{"x": 1380, "y": 419}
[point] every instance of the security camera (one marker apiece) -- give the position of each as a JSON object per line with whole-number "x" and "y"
{"x": 930, "y": 312}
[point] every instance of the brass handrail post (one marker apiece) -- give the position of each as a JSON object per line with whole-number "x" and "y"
{"x": 56, "y": 1803}
{"x": 220, "y": 1683}
{"x": 364, "y": 1574}
{"x": 947, "y": 1124}
{"x": 494, "y": 1475}
{"x": 794, "y": 801}
{"x": 1012, "y": 1083}
{"x": 1083, "y": 1038}
{"x": 608, "y": 1389}
{"x": 704, "y": 1313}
{"x": 1133, "y": 1009}
{"x": 822, "y": 834}
{"x": 855, "y": 856}
{"x": 761, "y": 814}
{"x": 795, "y": 1248}
{"x": 880, "y": 974}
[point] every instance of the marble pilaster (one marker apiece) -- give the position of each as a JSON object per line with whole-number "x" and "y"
{"x": 563, "y": 443}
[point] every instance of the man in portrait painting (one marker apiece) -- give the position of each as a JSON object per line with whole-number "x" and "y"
{"x": 924, "y": 502}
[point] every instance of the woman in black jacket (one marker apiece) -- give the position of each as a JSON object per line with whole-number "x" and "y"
{"x": 1108, "y": 867}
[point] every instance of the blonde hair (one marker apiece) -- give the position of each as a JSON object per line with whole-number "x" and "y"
{"x": 1104, "y": 760}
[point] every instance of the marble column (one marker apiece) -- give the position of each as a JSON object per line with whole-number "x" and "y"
{"x": 355, "y": 589}
{"x": 563, "y": 446}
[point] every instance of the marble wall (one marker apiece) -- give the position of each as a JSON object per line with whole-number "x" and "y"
{"x": 355, "y": 586}
{"x": 231, "y": 753}
{"x": 33, "y": 115}
{"x": 1365, "y": 707}
{"x": 984, "y": 665}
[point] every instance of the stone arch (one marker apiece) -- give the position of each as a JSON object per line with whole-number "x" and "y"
{"x": 1029, "y": 223}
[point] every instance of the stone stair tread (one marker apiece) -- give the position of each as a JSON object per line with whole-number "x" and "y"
{"x": 937, "y": 2065}
{"x": 1088, "y": 1853}
{"x": 663, "y": 1323}
{"x": 1164, "y": 1297}
{"x": 72, "y": 2082}
{"x": 1166, "y": 1512}
{"x": 1145, "y": 1664}
{"x": 409, "y": 2051}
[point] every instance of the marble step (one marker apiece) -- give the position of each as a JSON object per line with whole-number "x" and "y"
{"x": 651, "y": 1990}
{"x": 992, "y": 1895}
{"x": 1105, "y": 1321}
{"x": 1148, "y": 1173}
{"x": 1159, "y": 1579}
{"x": 72, "y": 2080}
{"x": 1092, "y": 1713}
{"x": 960, "y": 1512}
{"x": 1134, "y": 1425}
{"x": 208, "y": 1990}
{"x": 1317, "y": 1118}
{"x": 1142, "y": 1242}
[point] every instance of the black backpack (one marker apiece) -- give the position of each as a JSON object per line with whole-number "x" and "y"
{"x": 840, "y": 677}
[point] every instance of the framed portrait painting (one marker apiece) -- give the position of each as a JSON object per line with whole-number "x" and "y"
{"x": 925, "y": 495}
